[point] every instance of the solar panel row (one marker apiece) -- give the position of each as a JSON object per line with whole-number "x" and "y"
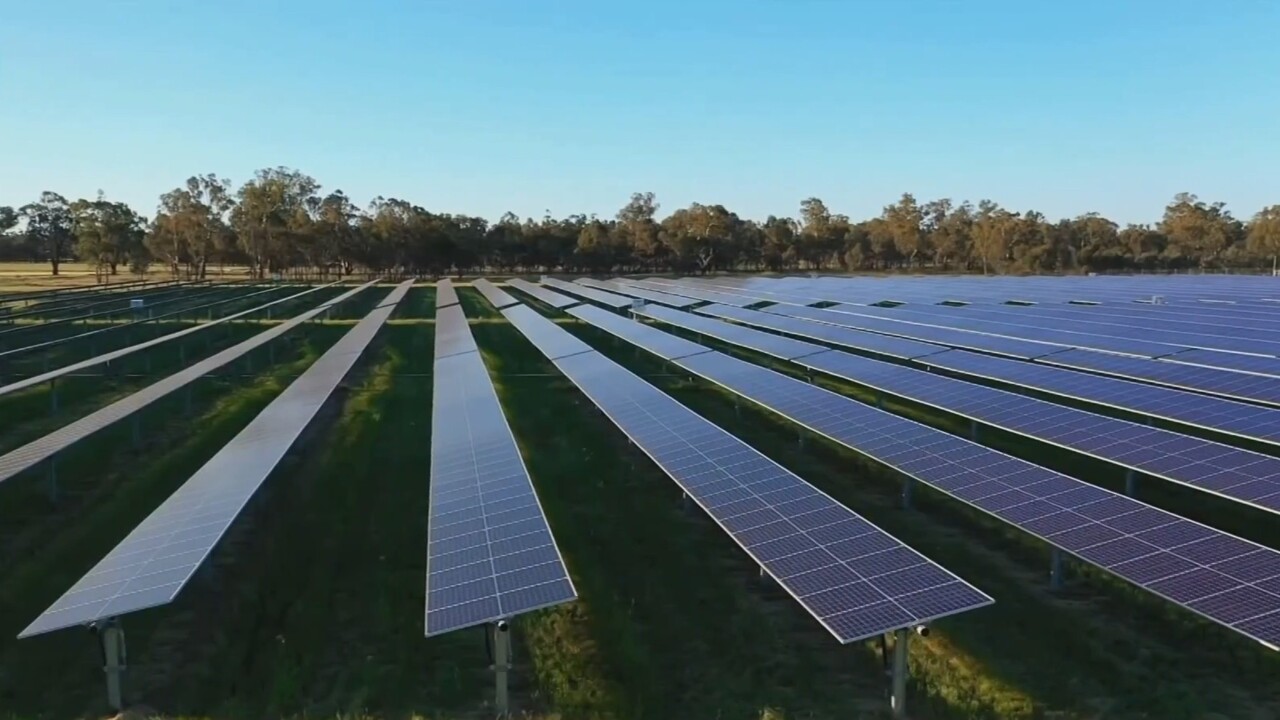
{"x": 36, "y": 451}
{"x": 446, "y": 294}
{"x": 855, "y": 579}
{"x": 596, "y": 295}
{"x": 637, "y": 292}
{"x": 769, "y": 344}
{"x": 496, "y": 296}
{"x": 1225, "y": 383}
{"x": 1223, "y": 578}
{"x": 674, "y": 288}
{"x": 490, "y": 551}
{"x": 834, "y": 334}
{"x": 550, "y": 297}
{"x": 155, "y": 561}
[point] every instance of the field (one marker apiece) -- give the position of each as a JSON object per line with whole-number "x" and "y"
{"x": 312, "y": 605}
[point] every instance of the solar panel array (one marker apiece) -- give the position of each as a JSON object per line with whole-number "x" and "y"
{"x": 661, "y": 344}
{"x": 490, "y": 551}
{"x": 834, "y": 334}
{"x": 453, "y": 335}
{"x": 122, "y": 352}
{"x": 603, "y": 297}
{"x": 767, "y": 343}
{"x": 857, "y": 580}
{"x": 550, "y": 297}
{"x": 26, "y": 456}
{"x": 496, "y": 296}
{"x": 1225, "y": 383}
{"x": 1225, "y": 416}
{"x": 551, "y": 341}
{"x": 689, "y": 292}
{"x": 1228, "y": 580}
{"x": 668, "y": 299}
{"x": 155, "y": 561}
{"x": 446, "y": 294}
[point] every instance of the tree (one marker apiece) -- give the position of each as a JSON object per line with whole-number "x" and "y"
{"x": 268, "y": 217}
{"x": 8, "y": 219}
{"x": 1264, "y": 234}
{"x": 49, "y": 227}
{"x": 638, "y": 228}
{"x": 1199, "y": 233}
{"x": 107, "y": 233}
{"x": 903, "y": 221}
{"x": 993, "y": 229}
{"x": 948, "y": 230}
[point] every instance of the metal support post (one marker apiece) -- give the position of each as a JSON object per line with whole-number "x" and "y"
{"x": 53, "y": 396}
{"x": 1130, "y": 483}
{"x": 899, "y": 699}
{"x": 800, "y": 438}
{"x": 686, "y": 502}
{"x": 501, "y": 666}
{"x": 115, "y": 661}
{"x": 1055, "y": 569}
{"x": 808, "y": 375}
{"x": 880, "y": 399}
{"x": 908, "y": 487}
{"x": 973, "y": 430}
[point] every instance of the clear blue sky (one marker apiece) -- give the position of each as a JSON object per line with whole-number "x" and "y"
{"x": 481, "y": 106}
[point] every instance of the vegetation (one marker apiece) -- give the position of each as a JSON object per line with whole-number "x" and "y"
{"x": 280, "y": 222}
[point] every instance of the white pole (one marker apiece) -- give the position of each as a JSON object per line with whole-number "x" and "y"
{"x": 899, "y": 700}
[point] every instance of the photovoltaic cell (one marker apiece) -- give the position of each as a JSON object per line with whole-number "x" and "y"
{"x": 496, "y": 296}
{"x": 26, "y": 456}
{"x": 603, "y": 297}
{"x": 690, "y": 292}
{"x": 854, "y": 578}
{"x": 153, "y": 563}
{"x": 1226, "y": 383}
{"x": 453, "y": 335}
{"x": 834, "y": 334}
{"x": 446, "y": 295}
{"x": 668, "y": 299}
{"x": 550, "y": 297}
{"x": 1239, "y": 475}
{"x": 1225, "y": 416}
{"x": 664, "y": 345}
{"x": 490, "y": 551}
{"x": 551, "y": 340}
{"x": 767, "y": 343}
{"x": 1229, "y": 361}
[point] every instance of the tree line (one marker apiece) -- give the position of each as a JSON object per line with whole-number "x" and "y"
{"x": 279, "y": 222}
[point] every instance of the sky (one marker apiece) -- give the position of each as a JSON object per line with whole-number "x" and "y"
{"x": 485, "y": 106}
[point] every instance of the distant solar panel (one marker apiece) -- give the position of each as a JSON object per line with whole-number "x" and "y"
{"x": 45, "y": 447}
{"x": 1228, "y": 361}
{"x": 608, "y": 299}
{"x": 668, "y": 299}
{"x": 1246, "y": 421}
{"x": 490, "y": 552}
{"x": 1225, "y": 383}
{"x": 153, "y": 563}
{"x": 767, "y": 343}
{"x": 551, "y": 340}
{"x": 1239, "y": 475}
{"x": 122, "y": 352}
{"x": 446, "y": 295}
{"x": 664, "y": 345}
{"x": 550, "y": 297}
{"x": 835, "y": 334}
{"x": 690, "y": 292}
{"x": 496, "y": 296}
{"x": 1223, "y": 578}
{"x": 854, "y": 578}
{"x": 453, "y": 336}
{"x": 926, "y": 333}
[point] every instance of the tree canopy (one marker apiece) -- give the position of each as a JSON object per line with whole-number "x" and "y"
{"x": 281, "y": 222}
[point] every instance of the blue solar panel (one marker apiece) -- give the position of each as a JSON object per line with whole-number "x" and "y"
{"x": 1239, "y": 475}
{"x": 767, "y": 343}
{"x": 490, "y": 552}
{"x": 596, "y": 295}
{"x": 552, "y": 342}
{"x": 1226, "y": 383}
{"x": 926, "y": 333}
{"x": 835, "y": 334}
{"x": 675, "y": 301}
{"x": 1229, "y": 361}
{"x": 664, "y": 345}
{"x": 550, "y": 297}
{"x": 854, "y": 578}
{"x": 675, "y": 288}
{"x": 1154, "y": 549}
{"x": 1226, "y": 416}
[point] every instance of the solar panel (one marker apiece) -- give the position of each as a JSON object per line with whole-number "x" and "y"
{"x": 1229, "y": 361}
{"x": 45, "y": 447}
{"x": 835, "y": 334}
{"x": 12, "y": 333}
{"x": 1226, "y": 383}
{"x": 943, "y": 336}
{"x": 446, "y": 295}
{"x": 1225, "y": 416}
{"x": 857, "y": 580}
{"x": 675, "y": 301}
{"x": 122, "y": 352}
{"x": 553, "y": 342}
{"x": 490, "y": 552}
{"x": 596, "y": 295}
{"x": 496, "y": 296}
{"x": 1230, "y": 581}
{"x": 690, "y": 292}
{"x": 664, "y": 345}
{"x": 153, "y": 563}
{"x": 550, "y": 297}
{"x": 453, "y": 336}
{"x": 767, "y": 343}
{"x": 1239, "y": 475}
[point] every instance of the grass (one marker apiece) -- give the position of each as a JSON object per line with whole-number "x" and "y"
{"x": 312, "y": 606}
